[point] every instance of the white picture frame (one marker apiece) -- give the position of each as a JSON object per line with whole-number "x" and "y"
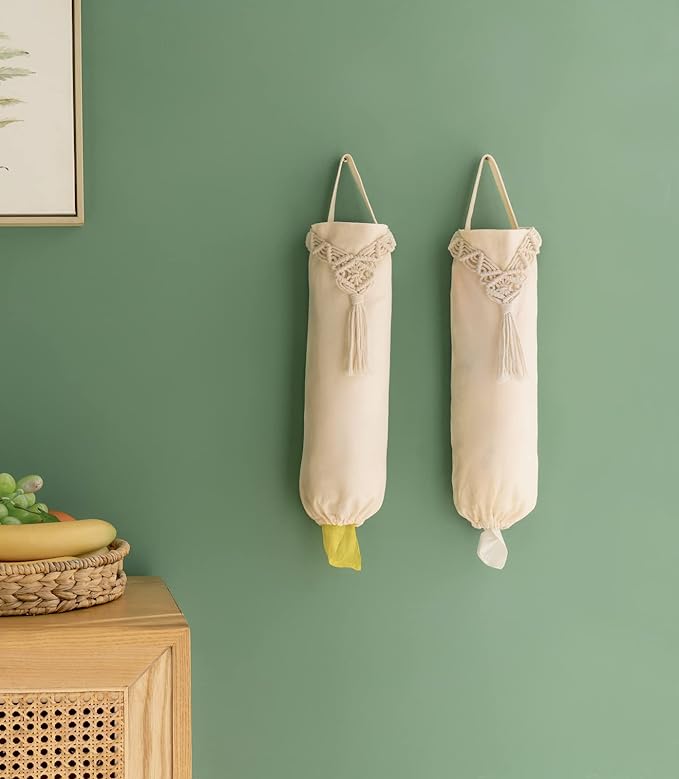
{"x": 41, "y": 141}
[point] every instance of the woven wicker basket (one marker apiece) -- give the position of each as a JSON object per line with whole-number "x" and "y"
{"x": 50, "y": 587}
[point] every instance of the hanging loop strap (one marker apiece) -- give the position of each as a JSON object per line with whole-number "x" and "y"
{"x": 357, "y": 178}
{"x": 499, "y": 183}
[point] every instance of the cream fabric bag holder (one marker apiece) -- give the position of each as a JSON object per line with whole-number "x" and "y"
{"x": 343, "y": 473}
{"x": 494, "y": 374}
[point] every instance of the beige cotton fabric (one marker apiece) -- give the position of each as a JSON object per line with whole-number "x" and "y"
{"x": 343, "y": 472}
{"x": 494, "y": 375}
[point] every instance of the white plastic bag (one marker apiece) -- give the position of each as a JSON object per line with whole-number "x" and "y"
{"x": 344, "y": 460}
{"x": 494, "y": 374}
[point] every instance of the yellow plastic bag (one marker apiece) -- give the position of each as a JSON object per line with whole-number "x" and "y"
{"x": 341, "y": 546}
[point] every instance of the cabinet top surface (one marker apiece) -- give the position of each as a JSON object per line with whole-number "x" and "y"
{"x": 146, "y": 602}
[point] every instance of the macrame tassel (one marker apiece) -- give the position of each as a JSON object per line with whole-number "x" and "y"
{"x": 512, "y": 363}
{"x": 357, "y": 338}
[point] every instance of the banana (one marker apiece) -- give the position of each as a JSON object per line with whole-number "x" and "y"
{"x": 102, "y": 550}
{"x": 21, "y": 543}
{"x": 79, "y": 557}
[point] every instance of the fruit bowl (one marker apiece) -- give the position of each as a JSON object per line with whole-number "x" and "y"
{"x": 52, "y": 586}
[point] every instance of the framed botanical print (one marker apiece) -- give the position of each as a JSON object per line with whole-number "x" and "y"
{"x": 41, "y": 171}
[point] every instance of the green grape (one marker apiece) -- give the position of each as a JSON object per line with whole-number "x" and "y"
{"x": 7, "y": 484}
{"x": 31, "y": 483}
{"x": 30, "y": 499}
{"x": 20, "y": 501}
{"x": 19, "y": 513}
{"x": 3, "y": 511}
{"x": 10, "y": 521}
{"x": 41, "y": 507}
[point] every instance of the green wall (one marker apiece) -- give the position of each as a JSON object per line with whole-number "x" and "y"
{"x": 153, "y": 368}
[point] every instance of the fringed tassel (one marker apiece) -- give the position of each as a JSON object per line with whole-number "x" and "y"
{"x": 357, "y": 338}
{"x": 512, "y": 363}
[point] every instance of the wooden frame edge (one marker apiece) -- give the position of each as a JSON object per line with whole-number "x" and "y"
{"x": 182, "y": 738}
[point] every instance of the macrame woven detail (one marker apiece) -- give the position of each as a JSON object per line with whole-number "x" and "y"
{"x": 502, "y": 286}
{"x": 353, "y": 272}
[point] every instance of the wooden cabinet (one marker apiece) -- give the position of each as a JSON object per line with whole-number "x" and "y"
{"x": 102, "y": 693}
